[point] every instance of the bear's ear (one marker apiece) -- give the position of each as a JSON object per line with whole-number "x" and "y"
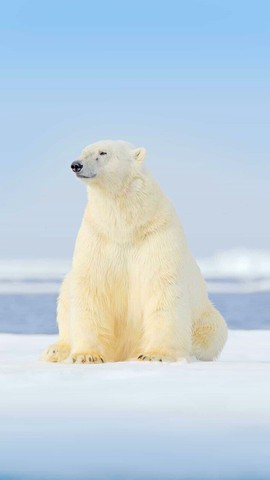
{"x": 139, "y": 155}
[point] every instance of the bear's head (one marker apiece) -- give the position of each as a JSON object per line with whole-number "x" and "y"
{"x": 108, "y": 163}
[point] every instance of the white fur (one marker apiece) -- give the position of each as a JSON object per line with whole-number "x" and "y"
{"x": 134, "y": 290}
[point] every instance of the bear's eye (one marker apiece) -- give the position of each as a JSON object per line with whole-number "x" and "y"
{"x": 102, "y": 153}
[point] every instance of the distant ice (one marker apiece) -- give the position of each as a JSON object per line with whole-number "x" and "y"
{"x": 32, "y": 276}
{"x": 237, "y": 271}
{"x": 29, "y": 287}
{"x": 232, "y": 271}
{"x": 237, "y": 263}
{"x": 29, "y": 269}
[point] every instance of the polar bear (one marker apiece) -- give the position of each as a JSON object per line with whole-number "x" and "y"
{"x": 134, "y": 290}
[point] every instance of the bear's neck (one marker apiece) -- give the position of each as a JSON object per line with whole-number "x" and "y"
{"x": 139, "y": 207}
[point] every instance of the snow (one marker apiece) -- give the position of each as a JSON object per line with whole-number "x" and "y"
{"x": 135, "y": 420}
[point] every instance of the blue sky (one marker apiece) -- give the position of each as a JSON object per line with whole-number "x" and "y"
{"x": 187, "y": 80}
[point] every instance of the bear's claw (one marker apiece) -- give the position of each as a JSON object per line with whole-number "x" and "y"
{"x": 155, "y": 358}
{"x": 85, "y": 358}
{"x": 150, "y": 358}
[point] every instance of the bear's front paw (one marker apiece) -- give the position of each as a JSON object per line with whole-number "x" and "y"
{"x": 155, "y": 357}
{"x": 85, "y": 358}
{"x": 57, "y": 352}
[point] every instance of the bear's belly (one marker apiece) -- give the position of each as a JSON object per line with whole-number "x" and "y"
{"x": 126, "y": 306}
{"x": 114, "y": 279}
{"x": 128, "y": 320}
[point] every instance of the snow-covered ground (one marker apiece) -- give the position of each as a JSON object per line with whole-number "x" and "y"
{"x": 135, "y": 420}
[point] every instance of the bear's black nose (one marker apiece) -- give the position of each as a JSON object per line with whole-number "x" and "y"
{"x": 76, "y": 166}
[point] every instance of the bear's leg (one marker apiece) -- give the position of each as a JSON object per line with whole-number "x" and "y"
{"x": 167, "y": 327}
{"x": 89, "y": 330}
{"x": 209, "y": 334}
{"x": 59, "y": 351}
